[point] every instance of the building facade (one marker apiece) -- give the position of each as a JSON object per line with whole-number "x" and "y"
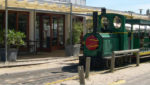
{"x": 45, "y": 30}
{"x": 46, "y": 23}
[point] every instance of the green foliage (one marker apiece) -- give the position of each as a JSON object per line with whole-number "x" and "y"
{"x": 14, "y": 39}
{"x": 89, "y": 25}
{"x": 76, "y": 33}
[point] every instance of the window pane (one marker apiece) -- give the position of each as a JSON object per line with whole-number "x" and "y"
{"x": 46, "y": 32}
{"x": 1, "y": 20}
{"x": 54, "y": 39}
{"x": 61, "y": 31}
{"x": 12, "y": 21}
{"x": 23, "y": 23}
{"x": 37, "y": 31}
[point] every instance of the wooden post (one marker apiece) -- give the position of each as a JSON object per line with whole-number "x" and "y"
{"x": 137, "y": 59}
{"x": 130, "y": 59}
{"x": 81, "y": 75}
{"x": 87, "y": 70}
{"x": 112, "y": 62}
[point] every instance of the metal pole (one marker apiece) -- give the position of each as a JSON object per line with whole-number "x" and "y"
{"x": 141, "y": 11}
{"x": 35, "y": 42}
{"x": 6, "y": 30}
{"x": 71, "y": 29}
{"x": 131, "y": 36}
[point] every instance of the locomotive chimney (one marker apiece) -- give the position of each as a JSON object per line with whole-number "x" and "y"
{"x": 103, "y": 11}
{"x": 95, "y": 21}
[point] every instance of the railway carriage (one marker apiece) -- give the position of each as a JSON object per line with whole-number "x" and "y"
{"x": 110, "y": 34}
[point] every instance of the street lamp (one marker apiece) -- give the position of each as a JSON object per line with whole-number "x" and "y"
{"x": 131, "y": 13}
{"x": 6, "y": 30}
{"x": 140, "y": 11}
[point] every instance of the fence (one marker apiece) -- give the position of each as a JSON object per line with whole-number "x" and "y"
{"x": 124, "y": 52}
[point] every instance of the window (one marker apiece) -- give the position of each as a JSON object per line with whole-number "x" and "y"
{"x": 117, "y": 22}
{"x": 54, "y": 24}
{"x": 23, "y": 23}
{"x": 12, "y": 21}
{"x": 105, "y": 23}
{"x": 61, "y": 31}
{"x": 1, "y": 20}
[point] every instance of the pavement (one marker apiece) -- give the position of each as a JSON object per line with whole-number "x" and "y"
{"x": 43, "y": 60}
{"x": 38, "y": 77}
{"x": 40, "y": 58}
{"x": 38, "y": 70}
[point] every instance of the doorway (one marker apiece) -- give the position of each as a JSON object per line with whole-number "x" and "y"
{"x": 49, "y": 32}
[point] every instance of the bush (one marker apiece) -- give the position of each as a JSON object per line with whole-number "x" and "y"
{"x": 76, "y": 33}
{"x": 14, "y": 39}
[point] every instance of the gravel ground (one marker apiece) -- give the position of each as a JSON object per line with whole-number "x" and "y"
{"x": 107, "y": 78}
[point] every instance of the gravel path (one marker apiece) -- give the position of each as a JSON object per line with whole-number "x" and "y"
{"x": 107, "y": 78}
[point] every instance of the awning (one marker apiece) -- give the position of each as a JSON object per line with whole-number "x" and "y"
{"x": 61, "y": 7}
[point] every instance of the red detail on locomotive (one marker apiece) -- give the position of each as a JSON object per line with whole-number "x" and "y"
{"x": 92, "y": 42}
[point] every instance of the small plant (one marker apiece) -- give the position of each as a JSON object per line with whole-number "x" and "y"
{"x": 76, "y": 33}
{"x": 14, "y": 39}
{"x": 89, "y": 25}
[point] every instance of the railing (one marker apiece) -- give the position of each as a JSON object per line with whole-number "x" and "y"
{"x": 124, "y": 52}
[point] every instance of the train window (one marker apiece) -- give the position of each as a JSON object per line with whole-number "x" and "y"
{"x": 104, "y": 22}
{"x": 117, "y": 22}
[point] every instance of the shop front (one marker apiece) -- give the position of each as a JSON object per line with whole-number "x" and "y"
{"x": 18, "y": 21}
{"x": 50, "y": 30}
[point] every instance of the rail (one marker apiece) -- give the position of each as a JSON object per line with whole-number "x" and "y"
{"x": 124, "y": 52}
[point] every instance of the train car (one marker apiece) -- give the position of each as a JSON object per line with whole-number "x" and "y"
{"x": 110, "y": 34}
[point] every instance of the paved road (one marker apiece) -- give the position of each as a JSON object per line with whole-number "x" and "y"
{"x": 40, "y": 77}
{"x": 143, "y": 79}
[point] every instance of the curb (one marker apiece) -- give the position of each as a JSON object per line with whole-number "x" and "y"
{"x": 6, "y": 65}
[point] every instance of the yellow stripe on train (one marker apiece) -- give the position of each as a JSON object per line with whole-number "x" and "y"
{"x": 93, "y": 40}
{"x": 93, "y": 46}
{"x": 145, "y": 53}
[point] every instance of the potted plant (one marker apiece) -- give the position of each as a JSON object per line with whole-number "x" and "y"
{"x": 14, "y": 40}
{"x": 74, "y": 49}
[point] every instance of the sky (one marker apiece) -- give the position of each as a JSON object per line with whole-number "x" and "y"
{"x": 122, "y": 5}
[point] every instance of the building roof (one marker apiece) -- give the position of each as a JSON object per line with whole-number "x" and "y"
{"x": 60, "y": 7}
{"x": 138, "y": 21}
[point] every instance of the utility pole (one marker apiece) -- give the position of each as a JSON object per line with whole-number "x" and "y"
{"x": 71, "y": 29}
{"x": 131, "y": 14}
{"x": 140, "y": 11}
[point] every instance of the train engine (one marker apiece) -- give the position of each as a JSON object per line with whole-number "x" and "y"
{"x": 110, "y": 34}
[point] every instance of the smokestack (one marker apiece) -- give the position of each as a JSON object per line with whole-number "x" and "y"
{"x": 95, "y": 21}
{"x": 103, "y": 11}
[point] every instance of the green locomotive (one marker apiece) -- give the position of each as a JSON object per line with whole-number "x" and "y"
{"x": 110, "y": 34}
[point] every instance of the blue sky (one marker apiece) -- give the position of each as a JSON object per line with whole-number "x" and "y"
{"x": 123, "y": 5}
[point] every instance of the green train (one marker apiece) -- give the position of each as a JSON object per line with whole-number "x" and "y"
{"x": 110, "y": 33}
